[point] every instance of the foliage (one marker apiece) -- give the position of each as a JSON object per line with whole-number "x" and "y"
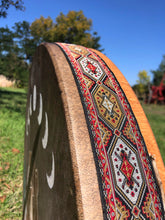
{"x": 142, "y": 84}
{"x": 13, "y": 53}
{"x": 5, "y": 4}
{"x": 24, "y": 40}
{"x": 158, "y": 74}
{"x": 6, "y": 40}
{"x": 140, "y": 90}
{"x": 71, "y": 28}
{"x": 42, "y": 29}
{"x": 14, "y": 68}
{"x": 144, "y": 79}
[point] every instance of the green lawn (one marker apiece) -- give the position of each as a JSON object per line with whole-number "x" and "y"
{"x": 12, "y": 122}
{"x": 156, "y": 118}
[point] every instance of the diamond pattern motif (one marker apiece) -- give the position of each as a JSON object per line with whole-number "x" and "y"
{"x": 128, "y": 176}
{"x": 127, "y": 169}
{"x": 91, "y": 68}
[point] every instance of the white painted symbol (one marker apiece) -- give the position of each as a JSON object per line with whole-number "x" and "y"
{"x": 45, "y": 138}
{"x": 28, "y": 122}
{"x": 30, "y": 106}
{"x": 40, "y": 110}
{"x": 34, "y": 97}
{"x": 50, "y": 179}
{"x": 27, "y": 132}
{"x": 32, "y": 100}
{"x": 25, "y": 214}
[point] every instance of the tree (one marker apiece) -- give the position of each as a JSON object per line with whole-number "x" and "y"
{"x": 14, "y": 68}
{"x": 42, "y": 29}
{"x": 17, "y": 46}
{"x": 5, "y": 4}
{"x": 144, "y": 79}
{"x": 142, "y": 83}
{"x": 24, "y": 40}
{"x": 158, "y": 74}
{"x": 71, "y": 28}
{"x": 12, "y": 62}
{"x": 6, "y": 40}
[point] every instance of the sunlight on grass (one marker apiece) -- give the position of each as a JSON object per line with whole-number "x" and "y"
{"x": 156, "y": 118}
{"x": 12, "y": 123}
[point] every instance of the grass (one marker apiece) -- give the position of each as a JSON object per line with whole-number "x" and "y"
{"x": 12, "y": 122}
{"x": 156, "y": 118}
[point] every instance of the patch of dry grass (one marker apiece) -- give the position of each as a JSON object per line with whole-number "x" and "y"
{"x": 4, "y": 82}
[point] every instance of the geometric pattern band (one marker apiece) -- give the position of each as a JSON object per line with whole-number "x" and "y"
{"x": 127, "y": 182}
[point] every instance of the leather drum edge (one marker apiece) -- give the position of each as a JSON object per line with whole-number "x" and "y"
{"x": 87, "y": 189}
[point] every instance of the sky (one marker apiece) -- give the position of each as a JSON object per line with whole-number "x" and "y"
{"x": 132, "y": 31}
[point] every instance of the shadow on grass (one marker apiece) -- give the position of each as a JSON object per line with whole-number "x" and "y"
{"x": 13, "y": 100}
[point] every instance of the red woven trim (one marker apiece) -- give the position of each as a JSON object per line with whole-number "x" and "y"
{"x": 104, "y": 165}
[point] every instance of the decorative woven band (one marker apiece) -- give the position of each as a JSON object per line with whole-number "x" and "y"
{"x": 127, "y": 182}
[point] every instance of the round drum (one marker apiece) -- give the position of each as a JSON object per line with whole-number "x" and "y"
{"x": 89, "y": 150}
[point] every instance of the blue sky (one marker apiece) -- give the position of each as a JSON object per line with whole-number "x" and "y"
{"x": 132, "y": 31}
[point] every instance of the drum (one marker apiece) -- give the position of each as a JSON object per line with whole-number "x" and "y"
{"x": 89, "y": 150}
